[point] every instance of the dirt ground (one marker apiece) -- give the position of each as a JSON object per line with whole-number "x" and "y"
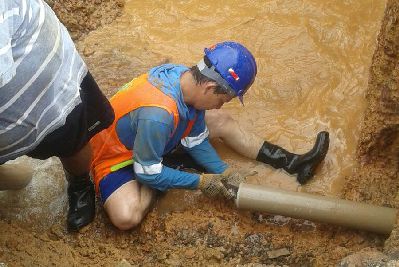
{"x": 87, "y": 15}
{"x": 200, "y": 232}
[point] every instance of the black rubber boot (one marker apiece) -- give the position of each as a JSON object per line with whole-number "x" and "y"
{"x": 304, "y": 165}
{"x": 81, "y": 198}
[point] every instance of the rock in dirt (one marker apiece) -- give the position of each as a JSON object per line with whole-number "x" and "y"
{"x": 278, "y": 253}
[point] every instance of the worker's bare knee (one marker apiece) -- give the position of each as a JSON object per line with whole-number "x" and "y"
{"x": 124, "y": 214}
{"x": 127, "y": 220}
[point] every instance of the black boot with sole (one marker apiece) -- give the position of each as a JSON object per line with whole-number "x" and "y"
{"x": 303, "y": 165}
{"x": 81, "y": 198}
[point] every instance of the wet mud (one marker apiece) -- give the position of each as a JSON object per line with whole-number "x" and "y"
{"x": 186, "y": 228}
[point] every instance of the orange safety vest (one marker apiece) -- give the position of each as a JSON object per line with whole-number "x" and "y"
{"x": 109, "y": 154}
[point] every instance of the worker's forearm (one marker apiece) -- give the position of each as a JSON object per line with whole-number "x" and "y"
{"x": 170, "y": 178}
{"x": 205, "y": 155}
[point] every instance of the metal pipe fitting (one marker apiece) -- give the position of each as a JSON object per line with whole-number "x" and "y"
{"x": 316, "y": 208}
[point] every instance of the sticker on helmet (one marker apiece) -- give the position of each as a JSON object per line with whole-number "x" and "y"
{"x": 234, "y": 74}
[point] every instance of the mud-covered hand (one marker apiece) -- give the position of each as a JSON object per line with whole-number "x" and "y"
{"x": 223, "y": 185}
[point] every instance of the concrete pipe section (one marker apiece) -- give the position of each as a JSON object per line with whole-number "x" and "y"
{"x": 316, "y": 208}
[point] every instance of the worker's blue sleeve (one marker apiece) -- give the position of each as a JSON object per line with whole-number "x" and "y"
{"x": 198, "y": 146}
{"x": 154, "y": 126}
{"x": 205, "y": 155}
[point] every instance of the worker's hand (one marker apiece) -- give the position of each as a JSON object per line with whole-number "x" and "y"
{"x": 223, "y": 185}
{"x": 233, "y": 177}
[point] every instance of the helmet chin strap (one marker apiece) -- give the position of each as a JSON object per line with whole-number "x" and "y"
{"x": 211, "y": 73}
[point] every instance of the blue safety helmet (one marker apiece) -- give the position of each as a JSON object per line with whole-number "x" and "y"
{"x": 231, "y": 65}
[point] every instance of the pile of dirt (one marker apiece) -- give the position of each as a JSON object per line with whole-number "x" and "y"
{"x": 83, "y": 16}
{"x": 377, "y": 174}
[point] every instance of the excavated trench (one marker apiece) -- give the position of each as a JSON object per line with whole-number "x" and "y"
{"x": 322, "y": 66}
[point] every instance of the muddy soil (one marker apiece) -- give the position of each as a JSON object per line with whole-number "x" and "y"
{"x": 201, "y": 232}
{"x": 377, "y": 177}
{"x": 81, "y": 17}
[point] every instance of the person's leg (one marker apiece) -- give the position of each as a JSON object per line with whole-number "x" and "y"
{"x": 81, "y": 194}
{"x": 14, "y": 176}
{"x": 222, "y": 125}
{"x": 125, "y": 200}
{"x": 79, "y": 163}
{"x": 129, "y": 204}
{"x": 95, "y": 115}
{"x": 70, "y": 144}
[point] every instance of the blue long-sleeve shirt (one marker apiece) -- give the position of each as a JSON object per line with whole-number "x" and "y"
{"x": 149, "y": 132}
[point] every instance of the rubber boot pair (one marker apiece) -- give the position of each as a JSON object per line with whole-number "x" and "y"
{"x": 303, "y": 165}
{"x": 81, "y": 199}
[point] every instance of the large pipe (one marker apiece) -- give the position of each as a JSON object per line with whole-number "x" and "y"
{"x": 316, "y": 208}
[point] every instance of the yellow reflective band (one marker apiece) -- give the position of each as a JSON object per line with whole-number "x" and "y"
{"x": 126, "y": 85}
{"x": 121, "y": 165}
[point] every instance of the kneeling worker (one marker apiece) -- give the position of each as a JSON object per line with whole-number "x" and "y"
{"x": 165, "y": 108}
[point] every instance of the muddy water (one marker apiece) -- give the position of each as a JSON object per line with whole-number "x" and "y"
{"x": 313, "y": 58}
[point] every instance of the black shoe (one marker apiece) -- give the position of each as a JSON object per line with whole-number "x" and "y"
{"x": 81, "y": 197}
{"x": 304, "y": 165}
{"x": 313, "y": 158}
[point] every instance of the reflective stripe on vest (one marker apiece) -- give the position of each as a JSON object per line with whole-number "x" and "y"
{"x": 109, "y": 154}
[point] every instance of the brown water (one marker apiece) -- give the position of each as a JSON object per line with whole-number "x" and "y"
{"x": 313, "y": 58}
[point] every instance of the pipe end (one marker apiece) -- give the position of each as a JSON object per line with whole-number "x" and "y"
{"x": 238, "y": 195}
